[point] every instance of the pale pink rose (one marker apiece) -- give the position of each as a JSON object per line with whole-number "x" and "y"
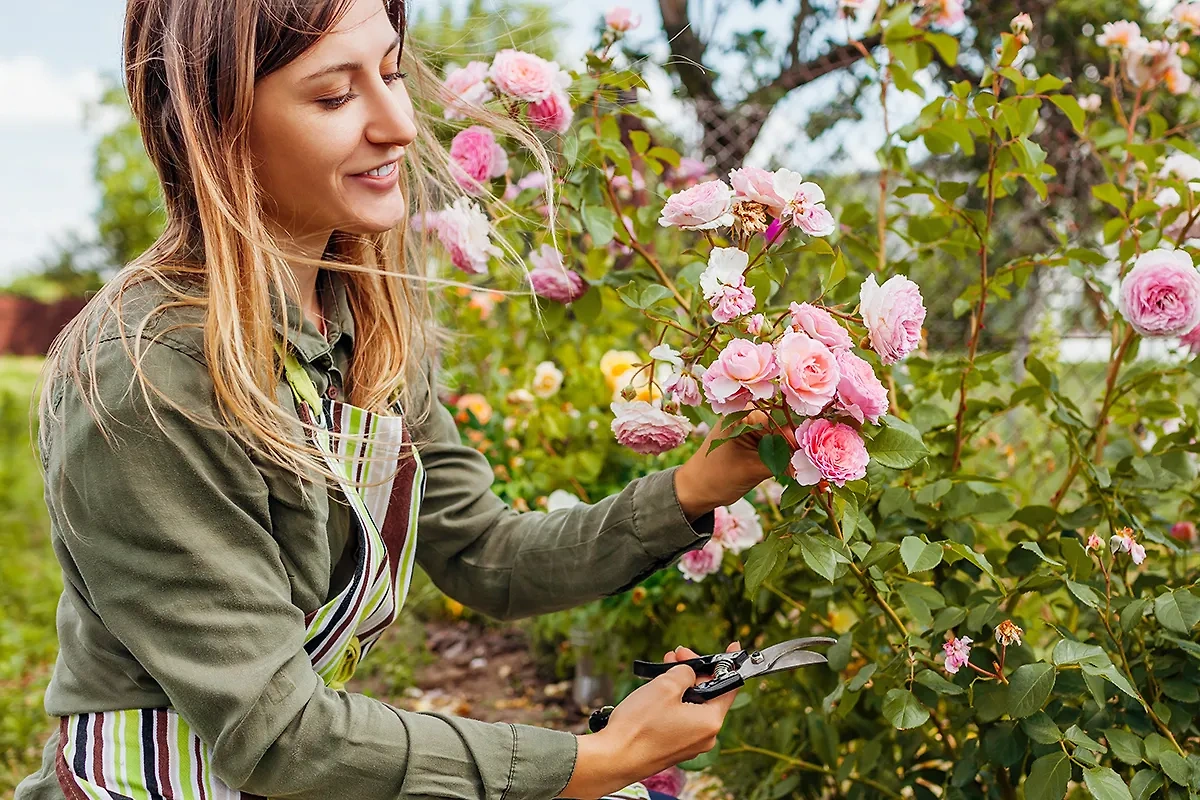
{"x": 553, "y": 113}
{"x": 510, "y": 193}
{"x": 820, "y": 325}
{"x": 703, "y": 207}
{"x": 804, "y": 203}
{"x": 1021, "y": 24}
{"x": 1176, "y": 80}
{"x": 860, "y": 392}
{"x": 477, "y": 157}
{"x": 525, "y": 76}
{"x": 945, "y": 13}
{"x": 1184, "y": 531}
{"x": 1125, "y": 543}
{"x": 620, "y": 18}
{"x": 832, "y": 451}
{"x": 534, "y": 180}
{"x": 1091, "y": 102}
{"x": 469, "y": 85}
{"x": 696, "y": 565}
{"x": 769, "y": 491}
{"x": 1148, "y": 63}
{"x": 551, "y": 279}
{"x": 893, "y": 314}
{"x": 755, "y": 324}
{"x": 1120, "y": 34}
{"x": 670, "y": 781}
{"x": 958, "y": 653}
{"x": 1191, "y": 340}
{"x": 737, "y": 527}
{"x": 742, "y": 373}
{"x": 1187, "y": 16}
{"x": 808, "y": 373}
{"x": 646, "y": 429}
{"x": 465, "y": 232}
{"x": 724, "y": 284}
{"x": 1094, "y": 542}
{"x": 689, "y": 172}
{"x": 757, "y": 185}
{"x": 1161, "y": 294}
{"x": 624, "y": 187}
{"x": 685, "y": 389}
{"x": 1137, "y": 553}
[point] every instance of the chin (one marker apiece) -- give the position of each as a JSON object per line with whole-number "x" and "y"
{"x": 378, "y": 222}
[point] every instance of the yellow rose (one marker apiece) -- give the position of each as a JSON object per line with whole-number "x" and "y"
{"x": 615, "y": 363}
{"x": 547, "y": 379}
{"x": 842, "y": 619}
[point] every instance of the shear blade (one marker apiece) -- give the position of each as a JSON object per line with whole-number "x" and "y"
{"x": 787, "y": 655}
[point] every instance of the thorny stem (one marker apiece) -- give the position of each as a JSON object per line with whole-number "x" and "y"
{"x": 977, "y": 321}
{"x": 860, "y": 575}
{"x": 808, "y": 766}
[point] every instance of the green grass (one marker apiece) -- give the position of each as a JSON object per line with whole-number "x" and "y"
{"x": 30, "y": 582}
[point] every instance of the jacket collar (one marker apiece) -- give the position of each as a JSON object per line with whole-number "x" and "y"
{"x": 303, "y": 337}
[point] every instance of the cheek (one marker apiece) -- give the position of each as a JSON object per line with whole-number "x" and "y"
{"x": 302, "y": 157}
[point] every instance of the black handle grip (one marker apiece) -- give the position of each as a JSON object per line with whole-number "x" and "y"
{"x": 701, "y": 693}
{"x": 703, "y": 666}
{"x": 599, "y": 719}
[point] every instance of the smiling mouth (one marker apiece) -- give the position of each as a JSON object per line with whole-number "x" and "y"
{"x": 378, "y": 172}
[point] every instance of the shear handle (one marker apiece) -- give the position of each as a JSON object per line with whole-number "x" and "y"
{"x": 703, "y": 666}
{"x": 701, "y": 693}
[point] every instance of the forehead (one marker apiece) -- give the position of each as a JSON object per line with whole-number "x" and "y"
{"x": 364, "y": 32}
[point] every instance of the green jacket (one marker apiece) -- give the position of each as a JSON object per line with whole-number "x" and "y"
{"x": 191, "y": 564}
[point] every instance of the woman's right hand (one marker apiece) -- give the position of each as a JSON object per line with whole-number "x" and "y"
{"x": 650, "y": 730}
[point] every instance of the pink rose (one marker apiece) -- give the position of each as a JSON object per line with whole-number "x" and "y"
{"x": 808, "y": 373}
{"x": 804, "y": 203}
{"x": 860, "y": 392}
{"x": 1184, "y": 531}
{"x": 742, "y": 373}
{"x": 1161, "y": 294}
{"x": 689, "y": 172}
{"x": 724, "y": 285}
{"x": 550, "y": 279}
{"x": 465, "y": 232}
{"x": 684, "y": 389}
{"x": 703, "y": 207}
{"x": 553, "y": 113}
{"x": 958, "y": 653}
{"x": 647, "y": 429}
{"x": 832, "y": 451}
{"x": 754, "y": 325}
{"x": 1094, "y": 542}
{"x": 477, "y": 158}
{"x": 469, "y": 85}
{"x": 669, "y": 782}
{"x": 534, "y": 180}
{"x": 1191, "y": 340}
{"x": 1121, "y": 34}
{"x": 945, "y": 12}
{"x": 620, "y": 18}
{"x": 815, "y": 221}
{"x": 737, "y": 527}
{"x": 525, "y": 76}
{"x": 820, "y": 325}
{"x": 893, "y": 314}
{"x": 757, "y": 185}
{"x": 1187, "y": 15}
{"x": 696, "y": 565}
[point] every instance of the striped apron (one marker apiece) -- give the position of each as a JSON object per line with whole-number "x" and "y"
{"x": 152, "y": 753}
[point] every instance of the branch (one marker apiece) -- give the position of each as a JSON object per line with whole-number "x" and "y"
{"x": 797, "y": 75}
{"x": 687, "y": 50}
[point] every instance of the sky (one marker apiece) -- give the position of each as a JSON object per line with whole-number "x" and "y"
{"x": 53, "y": 57}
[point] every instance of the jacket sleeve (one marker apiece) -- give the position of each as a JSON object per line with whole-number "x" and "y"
{"x": 510, "y": 564}
{"x": 174, "y": 550}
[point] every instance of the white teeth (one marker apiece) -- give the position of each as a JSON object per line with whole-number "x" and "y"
{"x": 386, "y": 169}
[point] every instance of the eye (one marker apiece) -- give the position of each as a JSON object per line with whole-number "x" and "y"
{"x": 392, "y": 77}
{"x": 337, "y": 102}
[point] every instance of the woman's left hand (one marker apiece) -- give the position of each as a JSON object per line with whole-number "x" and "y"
{"x": 718, "y": 478}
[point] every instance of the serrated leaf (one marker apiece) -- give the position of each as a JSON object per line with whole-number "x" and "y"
{"x": 1041, "y": 728}
{"x": 1124, "y": 745}
{"x": 600, "y": 223}
{"x": 776, "y": 454}
{"x": 1145, "y": 783}
{"x": 764, "y": 560}
{"x": 1048, "y": 777}
{"x": 820, "y": 554}
{"x": 904, "y": 710}
{"x": 1083, "y": 593}
{"x": 1104, "y": 784}
{"x": 1108, "y": 193}
{"x": 919, "y": 556}
{"x": 937, "y": 683}
{"x": 1029, "y": 688}
{"x": 897, "y": 449}
{"x": 1036, "y": 549}
{"x": 1177, "y": 611}
{"x": 1176, "y": 767}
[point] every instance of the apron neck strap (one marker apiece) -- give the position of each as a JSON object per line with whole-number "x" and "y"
{"x": 302, "y": 386}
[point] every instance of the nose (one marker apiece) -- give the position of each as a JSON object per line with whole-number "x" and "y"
{"x": 391, "y": 120}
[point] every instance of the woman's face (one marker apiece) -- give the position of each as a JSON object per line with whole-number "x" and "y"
{"x": 319, "y": 123}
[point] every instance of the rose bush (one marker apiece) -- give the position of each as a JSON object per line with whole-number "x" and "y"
{"x": 1006, "y": 626}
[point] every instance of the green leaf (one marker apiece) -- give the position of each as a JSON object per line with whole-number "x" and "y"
{"x": 1145, "y": 783}
{"x": 764, "y": 560}
{"x": 1048, "y": 777}
{"x": 1041, "y": 728}
{"x": 1177, "y": 611}
{"x": 776, "y": 454}
{"x": 600, "y": 223}
{"x": 897, "y": 449}
{"x": 937, "y": 683}
{"x": 1104, "y": 784}
{"x": 1176, "y": 767}
{"x": 1084, "y": 593}
{"x": 945, "y": 45}
{"x": 1124, "y": 745}
{"x": 1107, "y": 193}
{"x": 821, "y": 555}
{"x": 903, "y": 710}
{"x": 1036, "y": 549}
{"x": 978, "y": 559}
{"x": 640, "y": 140}
{"x": 653, "y": 293}
{"x": 1029, "y": 688}
{"x": 837, "y": 272}
{"x": 919, "y": 556}
{"x": 1075, "y": 734}
{"x": 587, "y": 308}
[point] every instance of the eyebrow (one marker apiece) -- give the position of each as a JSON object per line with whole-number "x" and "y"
{"x": 351, "y": 66}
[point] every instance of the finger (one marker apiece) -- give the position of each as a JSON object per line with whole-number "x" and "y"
{"x": 669, "y": 658}
{"x": 677, "y": 679}
{"x": 684, "y": 653}
{"x": 733, "y": 647}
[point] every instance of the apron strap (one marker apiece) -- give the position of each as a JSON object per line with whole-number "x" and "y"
{"x": 302, "y": 386}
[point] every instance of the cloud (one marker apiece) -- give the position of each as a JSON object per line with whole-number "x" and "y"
{"x": 32, "y": 94}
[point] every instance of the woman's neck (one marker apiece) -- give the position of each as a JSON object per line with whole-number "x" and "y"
{"x": 305, "y": 275}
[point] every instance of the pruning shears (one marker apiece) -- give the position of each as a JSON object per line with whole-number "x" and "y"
{"x": 728, "y": 671}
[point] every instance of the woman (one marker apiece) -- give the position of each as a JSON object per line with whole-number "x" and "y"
{"x": 230, "y": 552}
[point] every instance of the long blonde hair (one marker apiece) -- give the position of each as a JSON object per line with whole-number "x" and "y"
{"x": 190, "y": 70}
